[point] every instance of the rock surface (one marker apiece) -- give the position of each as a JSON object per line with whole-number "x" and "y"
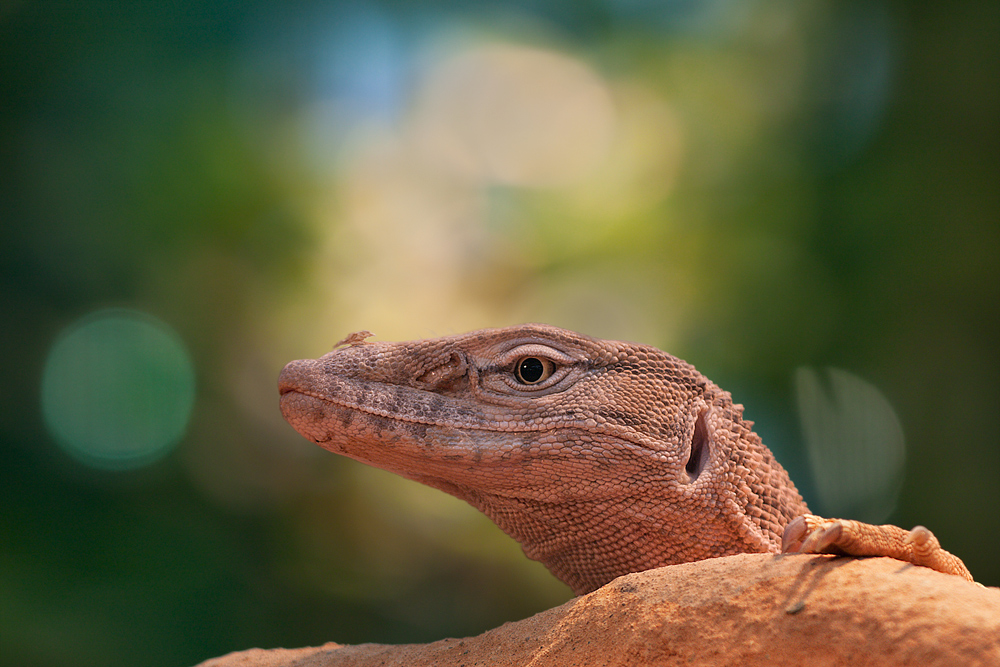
{"x": 751, "y": 609}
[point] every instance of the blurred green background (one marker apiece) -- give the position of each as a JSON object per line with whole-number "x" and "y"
{"x": 194, "y": 193}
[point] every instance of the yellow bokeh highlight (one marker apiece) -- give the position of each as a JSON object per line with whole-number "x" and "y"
{"x": 515, "y": 115}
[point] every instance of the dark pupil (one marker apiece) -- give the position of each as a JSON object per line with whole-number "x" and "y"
{"x": 530, "y": 370}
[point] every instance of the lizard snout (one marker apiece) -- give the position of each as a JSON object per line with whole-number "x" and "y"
{"x": 292, "y": 375}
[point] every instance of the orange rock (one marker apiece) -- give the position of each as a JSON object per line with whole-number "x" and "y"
{"x": 746, "y": 610}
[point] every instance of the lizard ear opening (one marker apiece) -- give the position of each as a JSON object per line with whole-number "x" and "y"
{"x": 698, "y": 458}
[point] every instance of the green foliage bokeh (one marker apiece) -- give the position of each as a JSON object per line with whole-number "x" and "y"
{"x": 780, "y": 186}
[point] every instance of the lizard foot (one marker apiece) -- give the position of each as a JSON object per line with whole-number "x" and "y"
{"x": 811, "y": 534}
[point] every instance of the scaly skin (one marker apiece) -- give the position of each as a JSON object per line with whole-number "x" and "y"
{"x": 601, "y": 457}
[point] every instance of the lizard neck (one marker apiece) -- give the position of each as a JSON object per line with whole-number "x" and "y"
{"x": 640, "y": 518}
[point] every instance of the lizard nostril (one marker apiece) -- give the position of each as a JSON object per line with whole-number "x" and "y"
{"x": 699, "y": 448}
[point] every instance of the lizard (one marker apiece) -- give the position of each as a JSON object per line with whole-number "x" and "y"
{"x": 600, "y": 457}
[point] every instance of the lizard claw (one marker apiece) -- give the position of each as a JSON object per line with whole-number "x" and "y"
{"x": 812, "y": 534}
{"x": 795, "y": 531}
{"x": 922, "y": 539}
{"x": 824, "y": 540}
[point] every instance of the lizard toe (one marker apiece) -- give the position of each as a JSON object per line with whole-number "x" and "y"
{"x": 825, "y": 539}
{"x": 795, "y": 532}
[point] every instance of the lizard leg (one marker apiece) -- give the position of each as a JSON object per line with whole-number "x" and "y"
{"x": 816, "y": 535}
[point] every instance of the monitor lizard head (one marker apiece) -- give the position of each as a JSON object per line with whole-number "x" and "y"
{"x": 600, "y": 457}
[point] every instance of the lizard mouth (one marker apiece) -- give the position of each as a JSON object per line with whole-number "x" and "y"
{"x": 305, "y": 387}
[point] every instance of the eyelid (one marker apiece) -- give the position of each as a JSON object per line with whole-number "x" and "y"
{"x": 536, "y": 350}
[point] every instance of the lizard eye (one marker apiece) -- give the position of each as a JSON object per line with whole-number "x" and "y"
{"x": 532, "y": 370}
